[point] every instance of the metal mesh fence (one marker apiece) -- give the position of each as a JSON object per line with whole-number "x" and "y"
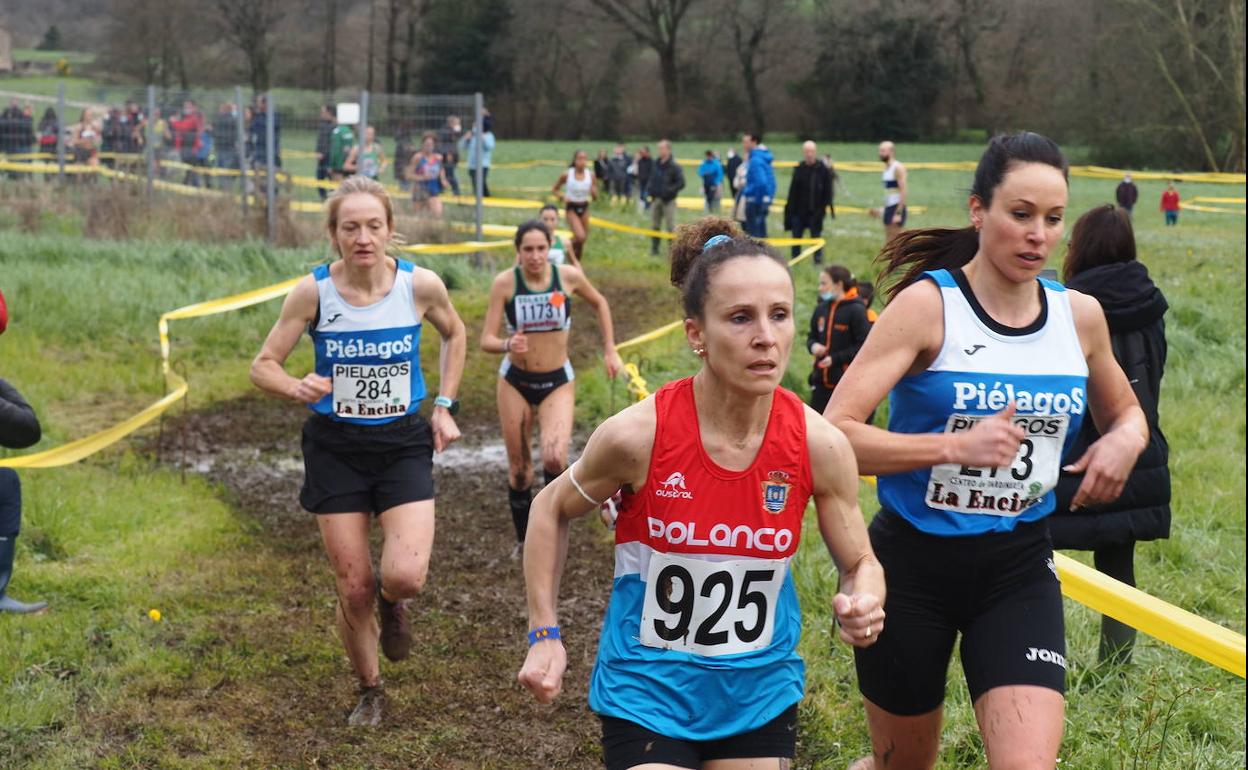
{"x": 281, "y": 150}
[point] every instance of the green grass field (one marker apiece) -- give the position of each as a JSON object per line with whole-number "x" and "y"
{"x": 111, "y": 537}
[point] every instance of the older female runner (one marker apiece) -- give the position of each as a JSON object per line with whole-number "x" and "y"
{"x": 367, "y": 451}
{"x": 697, "y": 661}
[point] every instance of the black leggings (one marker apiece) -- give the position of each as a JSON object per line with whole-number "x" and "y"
{"x": 10, "y": 503}
{"x": 1117, "y": 638}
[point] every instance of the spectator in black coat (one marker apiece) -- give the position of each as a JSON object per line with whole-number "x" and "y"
{"x": 810, "y": 197}
{"x": 730, "y": 170}
{"x": 1101, "y": 262}
{"x": 838, "y": 327}
{"x": 258, "y": 131}
{"x": 19, "y": 428}
{"x": 1127, "y": 193}
{"x": 665, "y": 182}
{"x": 645, "y": 167}
{"x": 323, "y": 131}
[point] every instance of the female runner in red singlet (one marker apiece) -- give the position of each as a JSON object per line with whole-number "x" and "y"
{"x": 697, "y": 662}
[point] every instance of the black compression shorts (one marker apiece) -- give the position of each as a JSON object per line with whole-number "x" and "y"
{"x": 627, "y": 744}
{"x": 366, "y": 468}
{"x": 580, "y": 209}
{"x": 535, "y": 386}
{"x": 999, "y": 590}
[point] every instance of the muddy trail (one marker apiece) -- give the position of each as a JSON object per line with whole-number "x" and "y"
{"x": 455, "y": 703}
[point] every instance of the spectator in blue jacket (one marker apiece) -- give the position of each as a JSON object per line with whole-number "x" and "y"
{"x": 712, "y": 173}
{"x": 468, "y": 154}
{"x": 760, "y": 185}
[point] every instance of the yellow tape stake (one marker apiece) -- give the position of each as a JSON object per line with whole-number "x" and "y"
{"x": 1177, "y": 627}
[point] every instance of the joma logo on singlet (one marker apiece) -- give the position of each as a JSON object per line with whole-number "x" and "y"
{"x": 674, "y": 487}
{"x": 974, "y": 395}
{"x": 350, "y": 348}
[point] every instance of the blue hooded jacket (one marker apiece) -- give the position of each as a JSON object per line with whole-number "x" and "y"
{"x": 760, "y": 180}
{"x": 711, "y": 171}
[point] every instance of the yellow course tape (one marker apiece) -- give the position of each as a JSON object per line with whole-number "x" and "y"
{"x": 1209, "y": 209}
{"x": 636, "y": 383}
{"x": 82, "y": 448}
{"x": 1176, "y": 627}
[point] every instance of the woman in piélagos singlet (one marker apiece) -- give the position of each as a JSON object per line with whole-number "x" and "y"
{"x": 991, "y": 370}
{"x": 581, "y": 188}
{"x": 536, "y": 380}
{"x": 367, "y": 451}
{"x": 697, "y": 659}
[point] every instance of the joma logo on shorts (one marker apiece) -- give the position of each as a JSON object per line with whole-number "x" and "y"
{"x": 1048, "y": 656}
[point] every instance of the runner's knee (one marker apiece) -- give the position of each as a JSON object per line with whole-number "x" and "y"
{"x": 408, "y": 580}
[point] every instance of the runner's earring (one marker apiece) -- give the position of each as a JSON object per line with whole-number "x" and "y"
{"x": 700, "y": 352}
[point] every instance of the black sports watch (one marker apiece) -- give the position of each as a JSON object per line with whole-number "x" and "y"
{"x": 449, "y": 404}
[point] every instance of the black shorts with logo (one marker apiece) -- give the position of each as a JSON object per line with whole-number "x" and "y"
{"x": 366, "y": 468}
{"x": 535, "y": 386}
{"x": 999, "y": 591}
{"x": 627, "y": 744}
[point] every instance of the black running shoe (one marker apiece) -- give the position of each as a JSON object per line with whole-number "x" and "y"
{"x": 368, "y": 711}
{"x": 396, "y": 632}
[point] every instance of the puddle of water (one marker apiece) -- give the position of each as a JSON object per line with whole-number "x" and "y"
{"x": 472, "y": 456}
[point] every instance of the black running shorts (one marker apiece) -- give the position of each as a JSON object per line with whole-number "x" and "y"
{"x": 999, "y": 590}
{"x": 627, "y": 744}
{"x": 366, "y": 468}
{"x": 535, "y": 386}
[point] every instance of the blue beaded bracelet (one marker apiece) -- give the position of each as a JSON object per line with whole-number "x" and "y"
{"x": 543, "y": 633}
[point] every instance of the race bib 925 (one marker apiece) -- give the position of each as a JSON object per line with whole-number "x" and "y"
{"x": 710, "y": 607}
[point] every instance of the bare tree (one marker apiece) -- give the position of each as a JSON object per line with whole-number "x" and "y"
{"x": 967, "y": 21}
{"x": 752, "y": 23}
{"x": 1198, "y": 48}
{"x": 657, "y": 24}
{"x": 248, "y": 24}
{"x": 144, "y": 41}
{"x": 329, "y": 55}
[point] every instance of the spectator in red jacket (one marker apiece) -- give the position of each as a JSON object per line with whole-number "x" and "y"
{"x": 1170, "y": 204}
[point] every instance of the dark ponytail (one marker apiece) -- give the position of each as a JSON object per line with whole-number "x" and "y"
{"x": 913, "y": 252}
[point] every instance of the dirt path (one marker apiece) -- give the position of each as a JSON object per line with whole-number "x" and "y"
{"x": 456, "y": 703}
